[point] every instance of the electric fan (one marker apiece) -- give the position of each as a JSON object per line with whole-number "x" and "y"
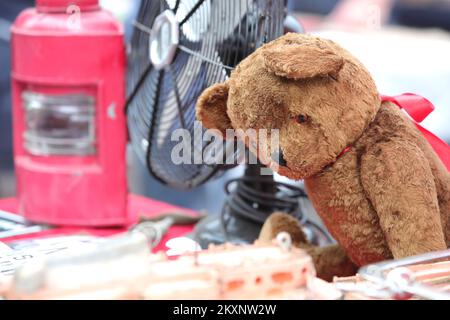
{"x": 178, "y": 49}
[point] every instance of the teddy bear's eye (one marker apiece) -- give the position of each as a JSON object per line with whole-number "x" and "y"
{"x": 301, "y": 118}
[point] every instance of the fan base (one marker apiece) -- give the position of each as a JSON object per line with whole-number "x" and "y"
{"x": 247, "y": 207}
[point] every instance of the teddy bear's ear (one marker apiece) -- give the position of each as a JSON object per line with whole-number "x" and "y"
{"x": 211, "y": 108}
{"x": 297, "y": 60}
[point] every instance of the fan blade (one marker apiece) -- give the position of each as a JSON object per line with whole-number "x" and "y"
{"x": 140, "y": 115}
{"x": 185, "y": 175}
{"x": 191, "y": 11}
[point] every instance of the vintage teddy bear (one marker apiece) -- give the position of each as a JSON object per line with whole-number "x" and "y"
{"x": 377, "y": 184}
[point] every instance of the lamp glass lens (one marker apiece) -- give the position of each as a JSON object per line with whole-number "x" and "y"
{"x": 59, "y": 124}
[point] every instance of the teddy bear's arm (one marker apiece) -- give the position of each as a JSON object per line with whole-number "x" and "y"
{"x": 398, "y": 182}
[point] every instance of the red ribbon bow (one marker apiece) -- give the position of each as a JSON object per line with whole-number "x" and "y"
{"x": 419, "y": 108}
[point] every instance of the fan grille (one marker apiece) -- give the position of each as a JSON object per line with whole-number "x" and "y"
{"x": 220, "y": 33}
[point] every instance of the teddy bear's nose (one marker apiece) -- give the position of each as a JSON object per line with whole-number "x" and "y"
{"x": 278, "y": 157}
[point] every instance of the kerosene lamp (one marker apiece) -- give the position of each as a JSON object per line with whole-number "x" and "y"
{"x": 68, "y": 68}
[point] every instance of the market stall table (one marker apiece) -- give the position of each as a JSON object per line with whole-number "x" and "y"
{"x": 138, "y": 206}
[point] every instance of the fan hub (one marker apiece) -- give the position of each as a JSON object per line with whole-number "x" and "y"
{"x": 164, "y": 40}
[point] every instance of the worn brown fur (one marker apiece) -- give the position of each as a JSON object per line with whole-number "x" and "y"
{"x": 389, "y": 195}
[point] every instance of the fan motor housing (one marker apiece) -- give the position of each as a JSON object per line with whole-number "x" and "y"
{"x": 164, "y": 40}
{"x": 68, "y": 69}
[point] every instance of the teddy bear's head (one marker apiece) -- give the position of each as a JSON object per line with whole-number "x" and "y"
{"x": 318, "y": 96}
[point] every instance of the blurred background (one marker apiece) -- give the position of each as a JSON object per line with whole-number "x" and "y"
{"x": 404, "y": 43}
